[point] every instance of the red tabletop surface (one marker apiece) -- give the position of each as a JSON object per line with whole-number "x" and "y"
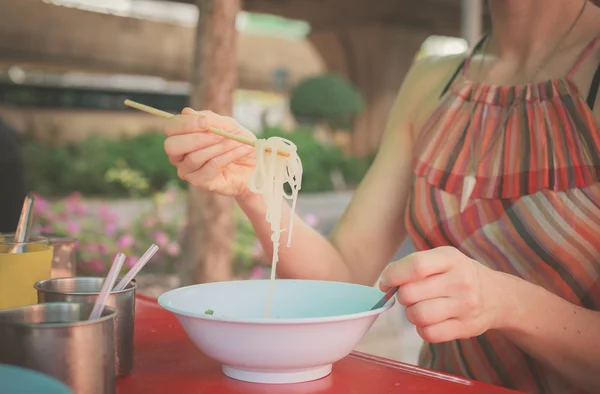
{"x": 166, "y": 361}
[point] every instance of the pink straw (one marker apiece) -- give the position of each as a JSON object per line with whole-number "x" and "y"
{"x": 137, "y": 267}
{"x": 108, "y": 284}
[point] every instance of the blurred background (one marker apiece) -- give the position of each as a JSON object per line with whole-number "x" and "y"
{"x": 322, "y": 73}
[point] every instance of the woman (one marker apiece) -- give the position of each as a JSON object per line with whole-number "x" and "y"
{"x": 489, "y": 165}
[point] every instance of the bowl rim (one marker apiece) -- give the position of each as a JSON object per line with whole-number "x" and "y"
{"x": 274, "y": 321}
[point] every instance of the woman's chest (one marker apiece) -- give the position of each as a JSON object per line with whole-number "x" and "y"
{"x": 548, "y": 238}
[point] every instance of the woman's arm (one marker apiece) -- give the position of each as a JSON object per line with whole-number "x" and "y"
{"x": 372, "y": 228}
{"x": 557, "y": 333}
{"x": 450, "y": 296}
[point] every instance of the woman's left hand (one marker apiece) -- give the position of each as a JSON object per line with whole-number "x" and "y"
{"x": 447, "y": 295}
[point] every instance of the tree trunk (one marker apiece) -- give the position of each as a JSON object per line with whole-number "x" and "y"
{"x": 211, "y": 227}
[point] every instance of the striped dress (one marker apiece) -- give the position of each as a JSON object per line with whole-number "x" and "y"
{"x": 534, "y": 212}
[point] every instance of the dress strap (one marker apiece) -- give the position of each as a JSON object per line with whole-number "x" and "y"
{"x": 475, "y": 49}
{"x": 462, "y": 66}
{"x": 581, "y": 58}
{"x": 453, "y": 77}
{"x": 593, "y": 92}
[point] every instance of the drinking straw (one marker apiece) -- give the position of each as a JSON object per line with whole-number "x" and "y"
{"x": 222, "y": 133}
{"x": 136, "y": 267}
{"x": 108, "y": 284}
{"x": 24, "y": 225}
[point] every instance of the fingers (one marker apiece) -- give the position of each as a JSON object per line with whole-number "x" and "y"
{"x": 182, "y": 144}
{"x": 447, "y": 330}
{"x": 185, "y": 124}
{"x": 211, "y": 168}
{"x": 432, "y": 312}
{"x": 429, "y": 288}
{"x": 191, "y": 121}
{"x": 216, "y": 155}
{"x": 417, "y": 266}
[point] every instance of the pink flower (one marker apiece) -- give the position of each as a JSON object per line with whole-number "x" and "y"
{"x": 106, "y": 214}
{"x": 45, "y": 229}
{"x": 161, "y": 238}
{"x": 75, "y": 197}
{"x": 73, "y": 228}
{"x": 311, "y": 220}
{"x": 125, "y": 241}
{"x": 80, "y": 209}
{"x": 40, "y": 206}
{"x": 173, "y": 249}
{"x": 258, "y": 272}
{"x": 170, "y": 196}
{"x": 150, "y": 221}
{"x": 131, "y": 260}
{"x": 110, "y": 229}
{"x": 257, "y": 252}
{"x": 96, "y": 266}
{"x": 74, "y": 204}
{"x": 92, "y": 247}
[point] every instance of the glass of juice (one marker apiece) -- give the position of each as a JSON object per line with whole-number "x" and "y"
{"x": 21, "y": 266}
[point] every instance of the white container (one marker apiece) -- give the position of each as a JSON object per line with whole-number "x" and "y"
{"x": 313, "y": 324}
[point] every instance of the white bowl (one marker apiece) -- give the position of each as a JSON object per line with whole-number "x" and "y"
{"x": 313, "y": 324}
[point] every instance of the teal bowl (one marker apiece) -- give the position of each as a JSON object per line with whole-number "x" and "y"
{"x": 19, "y": 380}
{"x": 312, "y": 325}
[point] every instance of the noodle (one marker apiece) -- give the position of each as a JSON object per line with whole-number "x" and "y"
{"x": 271, "y": 174}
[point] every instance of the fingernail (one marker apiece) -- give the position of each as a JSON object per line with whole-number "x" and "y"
{"x": 201, "y": 122}
{"x": 384, "y": 281}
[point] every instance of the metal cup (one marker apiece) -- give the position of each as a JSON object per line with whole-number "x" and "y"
{"x": 58, "y": 340}
{"x": 86, "y": 290}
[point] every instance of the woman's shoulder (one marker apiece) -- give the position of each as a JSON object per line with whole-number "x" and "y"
{"x": 423, "y": 84}
{"x": 432, "y": 70}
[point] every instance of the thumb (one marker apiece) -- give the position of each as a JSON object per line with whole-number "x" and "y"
{"x": 188, "y": 111}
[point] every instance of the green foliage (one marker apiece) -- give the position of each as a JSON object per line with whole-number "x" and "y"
{"x": 99, "y": 166}
{"x": 139, "y": 167}
{"x": 329, "y": 98}
{"x": 320, "y": 161}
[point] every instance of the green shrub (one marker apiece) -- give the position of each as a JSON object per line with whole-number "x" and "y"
{"x": 319, "y": 161}
{"x": 138, "y": 166}
{"x": 328, "y": 98}
{"x": 100, "y": 167}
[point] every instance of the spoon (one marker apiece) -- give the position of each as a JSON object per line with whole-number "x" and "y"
{"x": 390, "y": 293}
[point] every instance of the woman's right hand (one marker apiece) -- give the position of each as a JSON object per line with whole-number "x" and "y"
{"x": 206, "y": 160}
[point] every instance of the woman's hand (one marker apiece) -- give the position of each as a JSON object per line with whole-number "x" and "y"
{"x": 207, "y": 160}
{"x": 447, "y": 295}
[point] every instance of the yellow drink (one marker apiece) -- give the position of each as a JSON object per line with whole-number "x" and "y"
{"x": 19, "y": 271}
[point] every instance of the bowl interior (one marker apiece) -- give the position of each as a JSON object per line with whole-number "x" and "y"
{"x": 292, "y": 299}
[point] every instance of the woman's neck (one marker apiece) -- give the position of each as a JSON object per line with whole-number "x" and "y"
{"x": 524, "y": 28}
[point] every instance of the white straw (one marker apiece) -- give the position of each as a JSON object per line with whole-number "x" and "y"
{"x": 137, "y": 267}
{"x": 108, "y": 284}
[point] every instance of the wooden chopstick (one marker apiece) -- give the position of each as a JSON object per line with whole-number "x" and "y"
{"x": 223, "y": 133}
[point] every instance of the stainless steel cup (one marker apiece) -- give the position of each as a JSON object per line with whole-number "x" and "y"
{"x": 58, "y": 340}
{"x": 86, "y": 290}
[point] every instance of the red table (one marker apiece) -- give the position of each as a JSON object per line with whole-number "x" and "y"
{"x": 166, "y": 361}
